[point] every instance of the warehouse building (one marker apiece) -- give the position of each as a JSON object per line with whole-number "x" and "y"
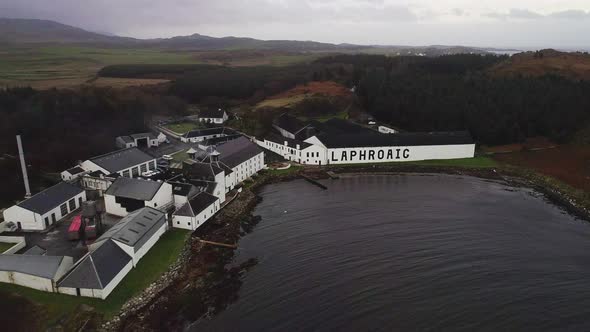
{"x": 210, "y": 175}
{"x": 196, "y": 212}
{"x": 72, "y": 173}
{"x": 34, "y": 271}
{"x": 129, "y": 162}
{"x": 114, "y": 254}
{"x": 126, "y": 195}
{"x": 201, "y": 135}
{"x": 293, "y": 128}
{"x": 294, "y": 150}
{"x": 46, "y": 208}
{"x": 242, "y": 156}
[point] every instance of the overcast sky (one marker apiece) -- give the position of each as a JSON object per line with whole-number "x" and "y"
{"x": 495, "y": 23}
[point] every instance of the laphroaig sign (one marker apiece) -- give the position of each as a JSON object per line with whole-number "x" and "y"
{"x": 352, "y": 155}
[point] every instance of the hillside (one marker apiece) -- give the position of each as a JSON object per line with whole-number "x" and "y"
{"x": 571, "y": 65}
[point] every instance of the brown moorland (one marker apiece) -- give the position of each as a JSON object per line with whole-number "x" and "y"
{"x": 545, "y": 62}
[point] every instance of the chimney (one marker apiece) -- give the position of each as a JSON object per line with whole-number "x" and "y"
{"x": 23, "y": 165}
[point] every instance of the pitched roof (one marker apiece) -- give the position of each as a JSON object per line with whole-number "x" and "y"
{"x": 210, "y": 131}
{"x": 140, "y": 189}
{"x": 235, "y": 152}
{"x": 35, "y": 250}
{"x": 41, "y": 266}
{"x": 136, "y": 228}
{"x": 337, "y": 126}
{"x": 292, "y": 143}
{"x": 121, "y": 159}
{"x": 201, "y": 171}
{"x": 98, "y": 268}
{"x": 75, "y": 170}
{"x": 183, "y": 189}
{"x": 211, "y": 113}
{"x": 196, "y": 205}
{"x": 51, "y": 197}
{"x": 399, "y": 139}
{"x": 289, "y": 123}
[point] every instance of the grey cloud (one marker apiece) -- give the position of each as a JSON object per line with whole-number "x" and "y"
{"x": 571, "y": 14}
{"x": 528, "y": 14}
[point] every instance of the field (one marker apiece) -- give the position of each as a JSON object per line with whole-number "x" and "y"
{"x": 49, "y": 308}
{"x": 567, "y": 163}
{"x": 65, "y": 66}
{"x": 182, "y": 127}
{"x": 5, "y": 246}
{"x": 571, "y": 65}
{"x": 300, "y": 92}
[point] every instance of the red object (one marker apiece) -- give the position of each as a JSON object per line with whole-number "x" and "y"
{"x": 74, "y": 230}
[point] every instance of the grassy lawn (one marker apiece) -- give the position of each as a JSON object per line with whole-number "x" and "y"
{"x": 149, "y": 268}
{"x": 180, "y": 156}
{"x": 183, "y": 127}
{"x": 5, "y": 246}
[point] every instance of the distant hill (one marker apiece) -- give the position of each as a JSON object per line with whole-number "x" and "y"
{"x": 571, "y": 65}
{"x": 31, "y": 31}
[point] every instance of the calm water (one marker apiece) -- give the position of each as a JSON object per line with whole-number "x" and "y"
{"x": 431, "y": 252}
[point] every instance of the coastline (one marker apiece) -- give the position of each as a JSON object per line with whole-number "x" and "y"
{"x": 203, "y": 270}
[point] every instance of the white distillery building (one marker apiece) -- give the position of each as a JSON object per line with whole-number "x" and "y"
{"x": 46, "y": 208}
{"x": 126, "y": 195}
{"x": 196, "y": 211}
{"x": 130, "y": 163}
{"x": 114, "y": 254}
{"x": 201, "y": 135}
{"x": 34, "y": 271}
{"x": 182, "y": 193}
{"x": 217, "y": 116}
{"x": 294, "y": 150}
{"x": 291, "y": 127}
{"x": 143, "y": 140}
{"x": 210, "y": 177}
{"x": 72, "y": 173}
{"x": 242, "y": 156}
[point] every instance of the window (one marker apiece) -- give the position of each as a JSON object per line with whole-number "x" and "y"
{"x": 178, "y": 222}
{"x": 152, "y": 166}
{"x": 143, "y": 168}
{"x": 72, "y": 204}
{"x": 79, "y": 201}
{"x": 135, "y": 172}
{"x": 64, "y": 209}
{"x": 188, "y": 223}
{"x": 126, "y": 174}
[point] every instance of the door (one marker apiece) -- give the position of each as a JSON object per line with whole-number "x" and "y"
{"x": 46, "y": 222}
{"x": 19, "y": 225}
{"x": 79, "y": 201}
{"x": 53, "y": 218}
{"x": 77, "y": 291}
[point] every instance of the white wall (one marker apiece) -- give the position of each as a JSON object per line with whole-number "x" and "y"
{"x": 26, "y": 280}
{"x": 220, "y": 188}
{"x": 249, "y": 167}
{"x": 162, "y": 198}
{"x": 89, "y": 166}
{"x": 99, "y": 293}
{"x": 19, "y": 243}
{"x": 393, "y": 154}
{"x": 284, "y": 132}
{"x": 149, "y": 244}
{"x": 314, "y": 155}
{"x": 112, "y": 207}
{"x": 192, "y": 223}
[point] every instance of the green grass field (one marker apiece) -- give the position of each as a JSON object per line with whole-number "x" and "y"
{"x": 149, "y": 268}
{"x": 183, "y": 127}
{"x": 5, "y": 246}
{"x": 180, "y": 156}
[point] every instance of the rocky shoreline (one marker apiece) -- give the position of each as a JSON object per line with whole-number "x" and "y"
{"x": 203, "y": 271}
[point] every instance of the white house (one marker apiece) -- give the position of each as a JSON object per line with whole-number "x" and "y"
{"x": 218, "y": 116}
{"x": 129, "y": 162}
{"x": 294, "y": 150}
{"x": 196, "y": 211}
{"x": 143, "y": 140}
{"x": 201, "y": 135}
{"x": 114, "y": 254}
{"x": 72, "y": 173}
{"x": 46, "y": 208}
{"x": 242, "y": 156}
{"x": 34, "y": 271}
{"x": 126, "y": 195}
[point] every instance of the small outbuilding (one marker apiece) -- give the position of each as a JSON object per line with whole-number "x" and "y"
{"x": 129, "y": 162}
{"x": 46, "y": 208}
{"x": 72, "y": 173}
{"x": 34, "y": 271}
{"x": 196, "y": 212}
{"x": 217, "y": 116}
{"x": 142, "y": 140}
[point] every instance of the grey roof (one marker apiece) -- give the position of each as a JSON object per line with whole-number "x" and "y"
{"x": 143, "y": 135}
{"x": 51, "y": 198}
{"x": 183, "y": 189}
{"x": 121, "y": 159}
{"x": 399, "y": 139}
{"x": 98, "y": 268}
{"x": 126, "y": 139}
{"x": 292, "y": 143}
{"x": 35, "y": 250}
{"x": 337, "y": 126}
{"x": 196, "y": 205}
{"x": 75, "y": 170}
{"x": 136, "y": 228}
{"x": 237, "y": 151}
{"x": 289, "y": 123}
{"x": 140, "y": 189}
{"x": 211, "y": 113}
{"x": 201, "y": 171}
{"x": 41, "y": 266}
{"x": 210, "y": 131}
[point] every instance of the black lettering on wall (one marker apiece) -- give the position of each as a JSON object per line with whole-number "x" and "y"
{"x": 381, "y": 154}
{"x": 372, "y": 155}
{"x": 333, "y": 159}
{"x": 398, "y": 150}
{"x": 353, "y": 154}
{"x": 344, "y": 156}
{"x": 363, "y": 155}
{"x": 406, "y": 153}
{"x": 390, "y": 154}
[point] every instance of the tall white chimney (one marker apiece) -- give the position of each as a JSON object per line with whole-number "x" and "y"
{"x": 23, "y": 166}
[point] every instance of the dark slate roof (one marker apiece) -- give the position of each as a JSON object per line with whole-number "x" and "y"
{"x": 340, "y": 127}
{"x": 196, "y": 205}
{"x": 35, "y": 250}
{"x": 98, "y": 268}
{"x": 292, "y": 143}
{"x": 75, "y": 170}
{"x": 217, "y": 140}
{"x": 140, "y": 189}
{"x": 289, "y": 123}
{"x": 136, "y": 228}
{"x": 235, "y": 152}
{"x": 36, "y": 265}
{"x": 51, "y": 197}
{"x": 143, "y": 135}
{"x": 211, "y": 113}
{"x": 210, "y": 131}
{"x": 121, "y": 159}
{"x": 182, "y": 189}
{"x": 201, "y": 171}
{"x": 126, "y": 139}
{"x": 400, "y": 139}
